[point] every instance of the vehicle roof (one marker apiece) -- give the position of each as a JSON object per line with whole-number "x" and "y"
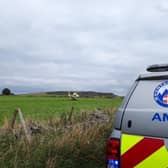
{"x": 153, "y": 75}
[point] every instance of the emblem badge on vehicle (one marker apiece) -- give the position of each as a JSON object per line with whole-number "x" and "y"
{"x": 161, "y": 94}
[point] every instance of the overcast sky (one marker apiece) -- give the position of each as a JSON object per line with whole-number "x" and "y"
{"x": 100, "y": 45}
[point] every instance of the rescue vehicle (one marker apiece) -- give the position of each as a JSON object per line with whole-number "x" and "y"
{"x": 140, "y": 135}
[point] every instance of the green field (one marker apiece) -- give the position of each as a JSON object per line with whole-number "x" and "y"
{"x": 43, "y": 108}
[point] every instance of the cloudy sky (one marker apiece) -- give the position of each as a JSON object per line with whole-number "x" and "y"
{"x": 100, "y": 45}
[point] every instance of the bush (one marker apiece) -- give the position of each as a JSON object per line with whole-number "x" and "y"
{"x": 82, "y": 144}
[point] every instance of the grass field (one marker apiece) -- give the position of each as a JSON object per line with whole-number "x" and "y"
{"x": 43, "y": 108}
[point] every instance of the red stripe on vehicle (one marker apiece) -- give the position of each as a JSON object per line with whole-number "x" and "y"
{"x": 140, "y": 151}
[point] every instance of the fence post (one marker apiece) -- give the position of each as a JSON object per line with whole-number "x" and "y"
{"x": 19, "y": 112}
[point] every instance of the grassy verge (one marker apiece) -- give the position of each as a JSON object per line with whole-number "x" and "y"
{"x": 74, "y": 141}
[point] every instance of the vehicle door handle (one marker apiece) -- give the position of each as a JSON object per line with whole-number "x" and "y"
{"x": 129, "y": 124}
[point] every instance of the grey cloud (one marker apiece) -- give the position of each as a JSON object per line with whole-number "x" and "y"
{"x": 86, "y": 45}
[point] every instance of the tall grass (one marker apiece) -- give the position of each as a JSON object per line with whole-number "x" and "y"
{"x": 71, "y": 141}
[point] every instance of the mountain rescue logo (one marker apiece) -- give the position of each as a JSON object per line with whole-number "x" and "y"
{"x": 161, "y": 94}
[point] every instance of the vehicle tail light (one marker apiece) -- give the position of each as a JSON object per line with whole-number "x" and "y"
{"x": 113, "y": 153}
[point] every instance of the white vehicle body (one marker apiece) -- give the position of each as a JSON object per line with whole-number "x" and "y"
{"x": 140, "y": 135}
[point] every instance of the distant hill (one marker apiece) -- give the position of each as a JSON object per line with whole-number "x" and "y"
{"x": 88, "y": 94}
